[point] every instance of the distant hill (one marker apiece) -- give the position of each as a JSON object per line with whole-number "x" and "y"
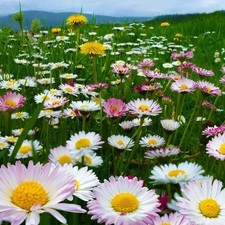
{"x": 50, "y": 19}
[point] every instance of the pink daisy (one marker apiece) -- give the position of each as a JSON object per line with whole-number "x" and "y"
{"x": 114, "y": 107}
{"x": 183, "y": 85}
{"x": 123, "y": 201}
{"x": 203, "y": 72}
{"x": 144, "y": 107}
{"x": 25, "y": 193}
{"x": 11, "y": 101}
{"x": 208, "y": 88}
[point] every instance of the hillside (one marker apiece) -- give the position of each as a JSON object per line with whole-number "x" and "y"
{"x": 50, "y": 19}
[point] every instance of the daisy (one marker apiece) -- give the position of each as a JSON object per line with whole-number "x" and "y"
{"x": 3, "y": 143}
{"x": 144, "y": 107}
{"x": 85, "y": 181}
{"x": 61, "y": 155}
{"x": 146, "y": 122}
{"x": 68, "y": 89}
{"x": 81, "y": 143}
{"x": 17, "y": 132}
{"x": 11, "y": 101}
{"x": 127, "y": 125}
{"x": 20, "y": 115}
{"x": 91, "y": 159}
{"x": 121, "y": 142}
{"x": 26, "y": 149}
{"x": 162, "y": 152}
{"x": 169, "y": 125}
{"x": 114, "y": 107}
{"x": 39, "y": 98}
{"x": 46, "y": 80}
{"x": 55, "y": 102}
{"x": 182, "y": 56}
{"x": 58, "y": 65}
{"x": 69, "y": 113}
{"x": 216, "y": 147}
{"x": 181, "y": 119}
{"x": 12, "y": 85}
{"x": 202, "y": 202}
{"x": 123, "y": 201}
{"x": 28, "y": 82}
{"x": 85, "y": 106}
{"x": 203, "y": 72}
{"x": 28, "y": 192}
{"x": 215, "y": 130}
{"x": 68, "y": 76}
{"x": 48, "y": 113}
{"x": 173, "y": 219}
{"x": 208, "y": 88}
{"x": 183, "y": 85}
{"x": 152, "y": 141}
{"x": 175, "y": 174}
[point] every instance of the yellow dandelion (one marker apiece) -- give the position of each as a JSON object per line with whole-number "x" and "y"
{"x": 165, "y": 24}
{"x": 93, "y": 49}
{"x": 76, "y": 20}
{"x": 55, "y": 30}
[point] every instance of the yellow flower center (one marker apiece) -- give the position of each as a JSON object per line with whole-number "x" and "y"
{"x": 114, "y": 109}
{"x": 222, "y": 149}
{"x": 120, "y": 142}
{"x": 10, "y": 102}
{"x": 19, "y": 114}
{"x": 9, "y": 84}
{"x": 68, "y": 76}
{"x": 144, "y": 108}
{"x": 48, "y": 111}
{"x": 77, "y": 185}
{"x": 175, "y": 173}
{"x": 183, "y": 86}
{"x": 65, "y": 159}
{"x": 208, "y": 88}
{"x": 82, "y": 143}
{"x": 69, "y": 89}
{"x": 12, "y": 139}
{"x": 125, "y": 203}
{"x": 2, "y": 144}
{"x": 84, "y": 106}
{"x": 88, "y": 159}
{"x": 152, "y": 142}
{"x": 209, "y": 208}
{"x": 45, "y": 97}
{"x": 28, "y": 194}
{"x": 25, "y": 149}
{"x": 165, "y": 224}
{"x": 55, "y": 102}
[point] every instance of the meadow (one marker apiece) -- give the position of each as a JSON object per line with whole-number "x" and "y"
{"x": 114, "y": 123}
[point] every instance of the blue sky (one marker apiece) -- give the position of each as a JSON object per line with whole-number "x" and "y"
{"x": 115, "y": 7}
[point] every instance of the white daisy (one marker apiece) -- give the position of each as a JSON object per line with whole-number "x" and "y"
{"x": 152, "y": 141}
{"x": 172, "y": 173}
{"x": 91, "y": 159}
{"x": 81, "y": 143}
{"x": 121, "y": 142}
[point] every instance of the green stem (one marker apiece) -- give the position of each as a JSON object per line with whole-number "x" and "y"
{"x": 94, "y": 70}
{"x": 84, "y": 122}
{"x": 77, "y": 44}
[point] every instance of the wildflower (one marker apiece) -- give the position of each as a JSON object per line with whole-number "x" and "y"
{"x": 169, "y": 125}
{"x": 183, "y": 85}
{"x": 11, "y": 101}
{"x": 123, "y": 201}
{"x": 85, "y": 106}
{"x": 20, "y": 115}
{"x": 92, "y": 49}
{"x": 203, "y": 72}
{"x": 68, "y": 76}
{"x": 146, "y": 64}
{"x": 11, "y": 84}
{"x": 208, "y": 88}
{"x": 152, "y": 141}
{"x": 61, "y": 155}
{"x": 182, "y": 56}
{"x": 3, "y": 143}
{"x": 55, "y": 102}
{"x": 164, "y": 24}
{"x": 85, "y": 181}
{"x": 146, "y": 87}
{"x": 146, "y": 122}
{"x": 171, "y": 173}
{"x": 162, "y": 152}
{"x": 68, "y": 89}
{"x": 216, "y": 146}
{"x": 213, "y": 131}
{"x": 17, "y": 132}
{"x": 55, "y": 30}
{"x": 202, "y": 202}
{"x": 121, "y": 142}
{"x": 81, "y": 143}
{"x": 35, "y": 190}
{"x": 210, "y": 106}
{"x": 26, "y": 149}
{"x": 46, "y": 80}
{"x": 91, "y": 159}
{"x": 127, "y": 125}
{"x": 114, "y": 107}
{"x": 144, "y": 107}
{"x": 76, "y": 20}
{"x": 173, "y": 218}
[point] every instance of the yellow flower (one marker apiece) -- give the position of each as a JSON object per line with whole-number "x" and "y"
{"x": 56, "y": 30}
{"x": 92, "y": 49}
{"x": 76, "y": 20}
{"x": 164, "y": 24}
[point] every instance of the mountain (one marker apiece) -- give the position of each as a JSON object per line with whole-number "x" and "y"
{"x": 51, "y": 19}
